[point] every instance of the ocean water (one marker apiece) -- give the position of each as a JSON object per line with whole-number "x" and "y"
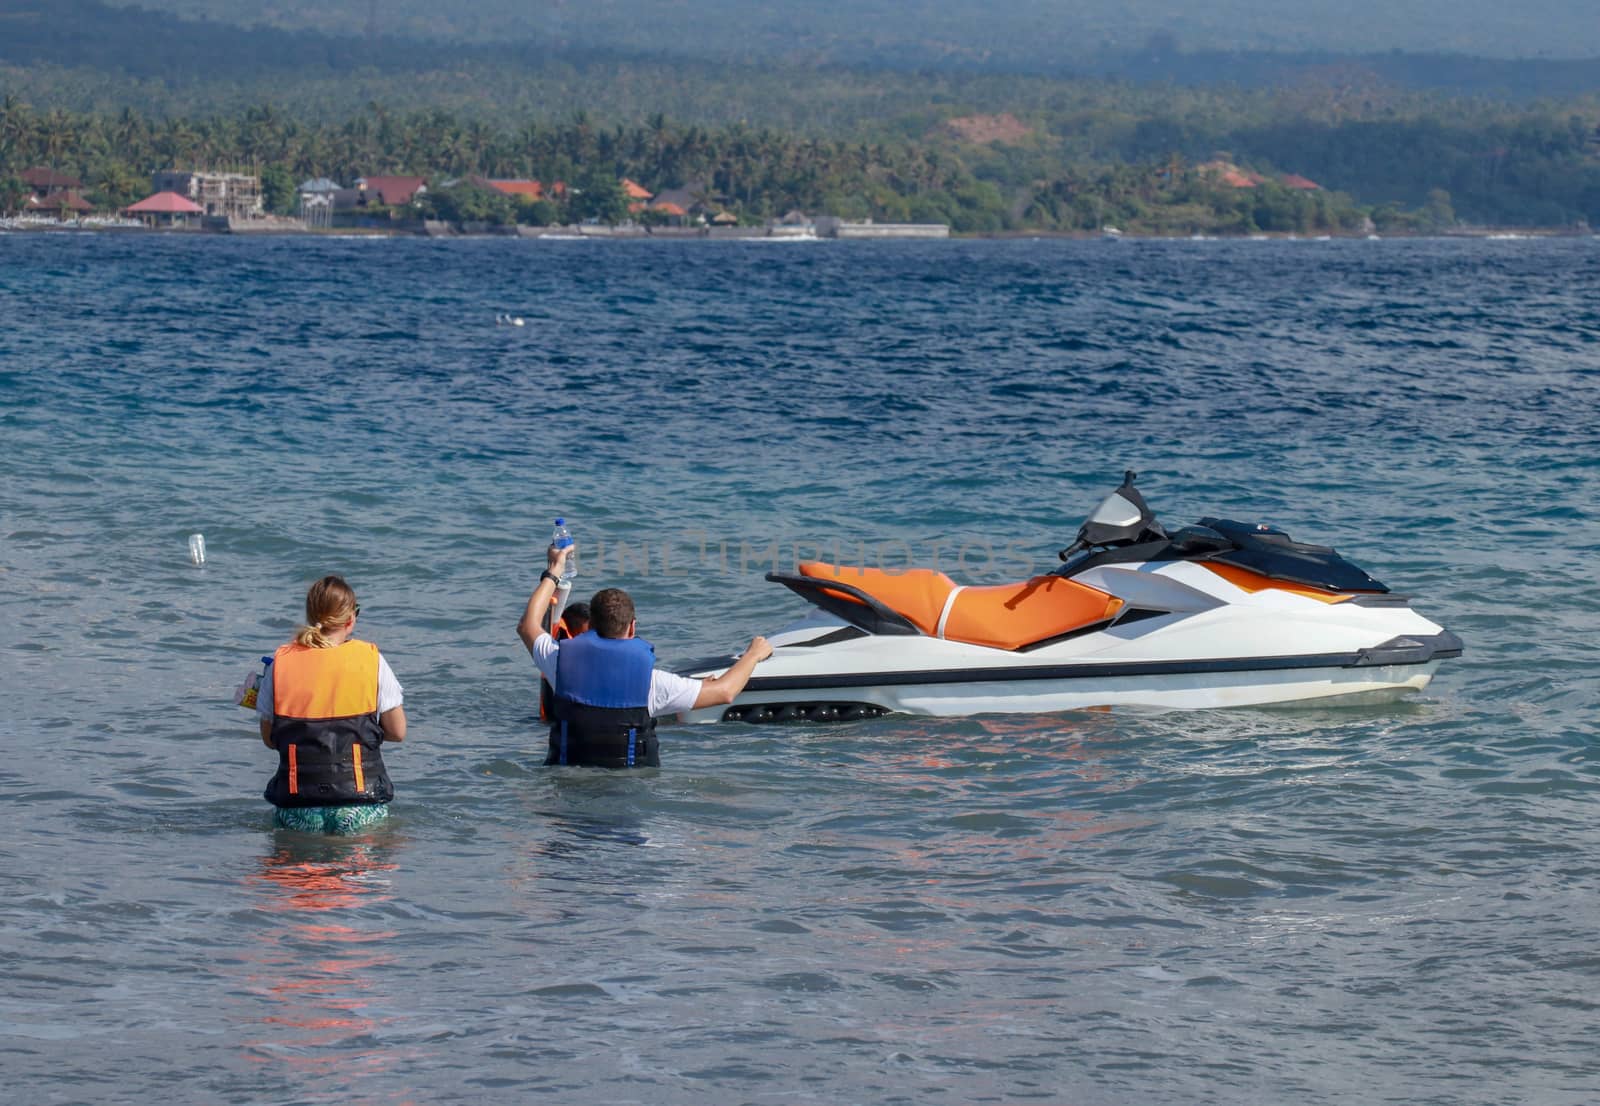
{"x": 1375, "y": 904}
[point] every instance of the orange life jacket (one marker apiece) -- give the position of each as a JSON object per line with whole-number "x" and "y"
{"x": 325, "y": 727}
{"x": 561, "y": 632}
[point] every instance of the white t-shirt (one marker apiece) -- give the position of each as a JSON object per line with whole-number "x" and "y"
{"x": 390, "y": 693}
{"x": 670, "y": 693}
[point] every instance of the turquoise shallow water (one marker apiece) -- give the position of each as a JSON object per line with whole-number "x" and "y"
{"x": 1362, "y": 905}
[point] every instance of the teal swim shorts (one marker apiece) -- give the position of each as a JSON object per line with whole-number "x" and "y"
{"x": 330, "y": 819}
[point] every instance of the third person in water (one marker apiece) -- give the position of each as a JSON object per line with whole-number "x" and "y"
{"x": 608, "y": 690}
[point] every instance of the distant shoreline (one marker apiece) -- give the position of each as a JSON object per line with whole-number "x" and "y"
{"x": 749, "y": 234}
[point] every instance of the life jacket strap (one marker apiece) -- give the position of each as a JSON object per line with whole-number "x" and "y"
{"x": 294, "y": 770}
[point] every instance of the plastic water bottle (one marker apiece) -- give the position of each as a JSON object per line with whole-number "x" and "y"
{"x": 249, "y": 693}
{"x": 562, "y": 539}
{"x": 197, "y": 549}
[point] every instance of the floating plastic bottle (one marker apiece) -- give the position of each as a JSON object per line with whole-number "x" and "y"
{"x": 197, "y": 549}
{"x": 562, "y": 539}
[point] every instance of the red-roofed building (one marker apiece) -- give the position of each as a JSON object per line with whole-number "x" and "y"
{"x": 664, "y": 212}
{"x": 44, "y": 182}
{"x": 695, "y": 199}
{"x": 638, "y": 195}
{"x": 165, "y": 203}
{"x": 1229, "y": 174}
{"x": 164, "y": 209}
{"x": 391, "y": 191}
{"x": 63, "y": 205}
{"x": 1294, "y": 180}
{"x": 520, "y": 189}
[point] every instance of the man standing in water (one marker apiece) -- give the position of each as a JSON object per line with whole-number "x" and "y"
{"x": 608, "y": 691}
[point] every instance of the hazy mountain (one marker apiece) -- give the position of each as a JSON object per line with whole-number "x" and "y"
{"x": 1036, "y": 35}
{"x": 83, "y": 54}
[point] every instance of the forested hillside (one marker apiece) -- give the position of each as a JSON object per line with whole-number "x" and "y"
{"x": 111, "y": 94}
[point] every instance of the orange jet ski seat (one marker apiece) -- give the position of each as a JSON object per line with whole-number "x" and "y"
{"x": 1004, "y": 616}
{"x": 917, "y": 593}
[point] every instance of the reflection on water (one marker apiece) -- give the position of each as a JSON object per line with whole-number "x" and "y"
{"x": 319, "y": 958}
{"x": 583, "y": 831}
{"x": 596, "y": 806}
{"x": 914, "y": 833}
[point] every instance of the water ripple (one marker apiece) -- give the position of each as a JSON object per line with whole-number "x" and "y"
{"x": 1260, "y": 906}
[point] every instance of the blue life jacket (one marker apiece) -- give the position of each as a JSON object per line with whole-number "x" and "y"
{"x": 602, "y": 703}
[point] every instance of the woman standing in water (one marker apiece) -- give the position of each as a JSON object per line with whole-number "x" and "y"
{"x": 327, "y": 703}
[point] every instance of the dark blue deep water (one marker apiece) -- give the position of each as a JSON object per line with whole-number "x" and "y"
{"x": 1368, "y": 905}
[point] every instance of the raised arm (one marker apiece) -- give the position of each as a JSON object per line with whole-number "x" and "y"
{"x": 532, "y": 624}
{"x": 724, "y": 688}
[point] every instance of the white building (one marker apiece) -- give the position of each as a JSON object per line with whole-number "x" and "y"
{"x": 316, "y": 201}
{"x": 236, "y": 195}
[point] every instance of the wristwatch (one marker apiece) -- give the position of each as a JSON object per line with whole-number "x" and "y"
{"x": 551, "y": 576}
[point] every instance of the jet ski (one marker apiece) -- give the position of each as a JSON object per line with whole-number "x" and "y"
{"x": 1217, "y": 614}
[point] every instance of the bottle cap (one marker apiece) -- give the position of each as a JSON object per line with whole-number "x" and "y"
{"x": 561, "y": 522}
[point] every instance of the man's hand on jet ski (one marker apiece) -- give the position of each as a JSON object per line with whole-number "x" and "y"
{"x": 721, "y": 690}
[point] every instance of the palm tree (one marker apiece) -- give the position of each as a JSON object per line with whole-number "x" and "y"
{"x": 13, "y": 194}
{"x": 58, "y": 132}
{"x": 531, "y": 146}
{"x": 262, "y": 135}
{"x": 477, "y": 142}
{"x": 176, "y": 144}
{"x": 15, "y": 123}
